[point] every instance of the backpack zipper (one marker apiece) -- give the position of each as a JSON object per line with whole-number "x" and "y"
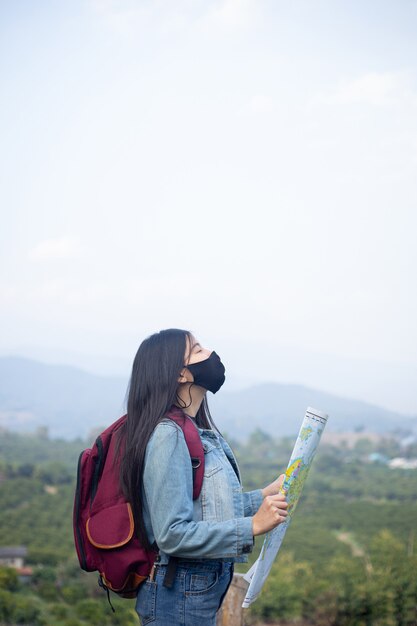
{"x": 97, "y": 470}
{"x": 77, "y": 514}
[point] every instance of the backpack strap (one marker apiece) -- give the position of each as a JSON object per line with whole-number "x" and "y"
{"x": 195, "y": 447}
{"x": 196, "y": 450}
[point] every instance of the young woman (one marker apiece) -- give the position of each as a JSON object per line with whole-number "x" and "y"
{"x": 208, "y": 535}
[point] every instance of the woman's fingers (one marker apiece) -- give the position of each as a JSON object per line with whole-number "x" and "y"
{"x": 277, "y": 500}
{"x": 273, "y": 511}
{"x": 278, "y": 505}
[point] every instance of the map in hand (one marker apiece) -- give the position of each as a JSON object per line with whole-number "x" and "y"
{"x": 295, "y": 477}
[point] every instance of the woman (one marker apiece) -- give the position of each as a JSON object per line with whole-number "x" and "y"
{"x": 208, "y": 535}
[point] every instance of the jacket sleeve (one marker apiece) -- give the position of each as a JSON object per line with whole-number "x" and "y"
{"x": 252, "y": 500}
{"x": 168, "y": 486}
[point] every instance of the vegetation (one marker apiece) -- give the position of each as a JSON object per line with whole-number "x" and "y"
{"x": 349, "y": 557}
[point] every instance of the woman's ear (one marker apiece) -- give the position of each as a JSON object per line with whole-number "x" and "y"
{"x": 182, "y": 377}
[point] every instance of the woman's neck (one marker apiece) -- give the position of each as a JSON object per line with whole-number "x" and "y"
{"x": 191, "y": 396}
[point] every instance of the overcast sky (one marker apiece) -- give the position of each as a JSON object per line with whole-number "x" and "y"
{"x": 242, "y": 168}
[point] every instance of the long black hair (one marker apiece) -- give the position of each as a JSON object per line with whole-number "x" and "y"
{"x": 152, "y": 391}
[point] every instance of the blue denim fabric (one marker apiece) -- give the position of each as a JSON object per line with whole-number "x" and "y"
{"x": 194, "y": 599}
{"x": 218, "y": 524}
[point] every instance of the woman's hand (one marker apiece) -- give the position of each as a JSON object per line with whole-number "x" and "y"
{"x": 273, "y": 488}
{"x": 273, "y": 511}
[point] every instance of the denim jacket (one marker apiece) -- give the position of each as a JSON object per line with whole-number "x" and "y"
{"x": 218, "y": 524}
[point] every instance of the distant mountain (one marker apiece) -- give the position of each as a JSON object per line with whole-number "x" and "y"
{"x": 71, "y": 403}
{"x": 279, "y": 409}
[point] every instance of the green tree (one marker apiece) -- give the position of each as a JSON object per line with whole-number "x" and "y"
{"x": 25, "y": 470}
{"x": 283, "y": 591}
{"x": 58, "y": 611}
{"x": 6, "y": 606}
{"x": 53, "y": 473}
{"x": 28, "y": 610}
{"x": 8, "y": 579}
{"x": 73, "y": 591}
{"x": 90, "y": 610}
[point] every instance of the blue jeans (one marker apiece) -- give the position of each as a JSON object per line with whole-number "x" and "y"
{"x": 194, "y": 599}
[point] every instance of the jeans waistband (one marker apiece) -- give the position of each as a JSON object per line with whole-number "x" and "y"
{"x": 208, "y": 564}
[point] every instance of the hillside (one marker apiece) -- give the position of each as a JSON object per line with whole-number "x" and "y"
{"x": 278, "y": 409}
{"x": 71, "y": 402}
{"x": 348, "y": 558}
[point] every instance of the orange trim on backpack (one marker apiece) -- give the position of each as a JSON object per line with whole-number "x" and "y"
{"x": 131, "y": 585}
{"x": 116, "y": 545}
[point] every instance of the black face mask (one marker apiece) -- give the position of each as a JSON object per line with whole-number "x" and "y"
{"x": 209, "y": 373}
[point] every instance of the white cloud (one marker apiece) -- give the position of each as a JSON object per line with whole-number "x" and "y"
{"x": 124, "y": 18}
{"x": 257, "y": 104}
{"x": 61, "y": 248}
{"x": 128, "y": 17}
{"x": 261, "y": 104}
{"x": 375, "y": 89}
{"x": 233, "y": 14}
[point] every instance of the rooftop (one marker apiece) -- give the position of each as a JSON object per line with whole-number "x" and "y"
{"x": 11, "y": 552}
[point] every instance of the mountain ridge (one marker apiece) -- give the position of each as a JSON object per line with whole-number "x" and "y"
{"x": 71, "y": 403}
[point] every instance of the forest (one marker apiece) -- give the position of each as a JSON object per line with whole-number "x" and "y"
{"x": 349, "y": 557}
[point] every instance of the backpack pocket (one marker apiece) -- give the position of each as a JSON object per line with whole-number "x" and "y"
{"x": 111, "y": 527}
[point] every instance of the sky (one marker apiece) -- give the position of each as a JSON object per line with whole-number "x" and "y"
{"x": 245, "y": 169}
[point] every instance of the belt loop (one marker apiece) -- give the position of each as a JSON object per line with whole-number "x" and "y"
{"x": 170, "y": 572}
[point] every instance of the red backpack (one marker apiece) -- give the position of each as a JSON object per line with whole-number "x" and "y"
{"x": 104, "y": 531}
